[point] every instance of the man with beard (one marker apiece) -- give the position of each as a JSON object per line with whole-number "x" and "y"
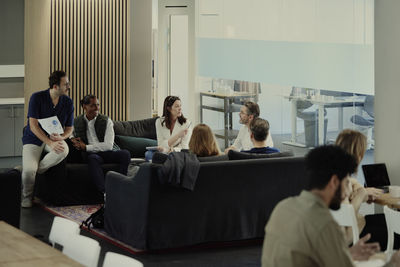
{"x": 248, "y": 112}
{"x": 45, "y": 104}
{"x": 94, "y": 134}
{"x": 301, "y": 230}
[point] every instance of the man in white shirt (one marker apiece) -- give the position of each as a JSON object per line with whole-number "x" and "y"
{"x": 248, "y": 112}
{"x": 94, "y": 133}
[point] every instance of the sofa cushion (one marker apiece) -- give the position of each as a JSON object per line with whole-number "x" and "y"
{"x": 236, "y": 155}
{"x": 213, "y": 158}
{"x": 160, "y": 158}
{"x": 140, "y": 128}
{"x": 135, "y": 145}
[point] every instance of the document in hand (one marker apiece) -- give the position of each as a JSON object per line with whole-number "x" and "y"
{"x": 51, "y": 125}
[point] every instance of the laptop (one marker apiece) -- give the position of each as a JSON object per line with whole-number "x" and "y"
{"x": 376, "y": 175}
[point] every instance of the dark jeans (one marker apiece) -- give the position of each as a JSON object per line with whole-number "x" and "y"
{"x": 122, "y": 157}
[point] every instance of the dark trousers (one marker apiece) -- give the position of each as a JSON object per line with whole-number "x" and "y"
{"x": 121, "y": 157}
{"x": 376, "y": 225}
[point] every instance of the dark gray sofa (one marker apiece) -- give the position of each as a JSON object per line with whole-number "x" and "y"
{"x": 10, "y": 196}
{"x": 232, "y": 200}
{"x": 69, "y": 182}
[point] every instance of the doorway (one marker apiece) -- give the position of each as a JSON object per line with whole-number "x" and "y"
{"x": 176, "y": 54}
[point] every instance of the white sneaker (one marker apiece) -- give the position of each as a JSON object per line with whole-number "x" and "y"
{"x": 26, "y": 202}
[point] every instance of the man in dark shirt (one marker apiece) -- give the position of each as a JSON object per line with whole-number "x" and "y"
{"x": 259, "y": 130}
{"x": 44, "y": 104}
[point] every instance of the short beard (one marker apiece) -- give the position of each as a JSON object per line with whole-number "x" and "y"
{"x": 337, "y": 199}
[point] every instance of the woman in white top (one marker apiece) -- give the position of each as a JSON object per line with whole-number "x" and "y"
{"x": 173, "y": 129}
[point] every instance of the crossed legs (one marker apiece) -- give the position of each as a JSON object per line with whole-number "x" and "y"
{"x": 31, "y": 164}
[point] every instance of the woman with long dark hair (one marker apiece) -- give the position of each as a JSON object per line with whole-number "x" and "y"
{"x": 173, "y": 129}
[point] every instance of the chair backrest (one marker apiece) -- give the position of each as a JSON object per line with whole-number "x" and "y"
{"x": 369, "y": 105}
{"x": 392, "y": 218}
{"x": 82, "y": 249}
{"x": 346, "y": 216}
{"x": 113, "y": 259}
{"x": 62, "y": 229}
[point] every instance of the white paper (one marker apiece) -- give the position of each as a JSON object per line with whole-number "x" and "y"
{"x": 51, "y": 125}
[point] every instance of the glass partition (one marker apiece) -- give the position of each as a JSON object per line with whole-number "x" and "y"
{"x": 308, "y": 64}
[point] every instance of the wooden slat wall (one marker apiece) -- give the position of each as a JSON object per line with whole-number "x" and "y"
{"x": 88, "y": 39}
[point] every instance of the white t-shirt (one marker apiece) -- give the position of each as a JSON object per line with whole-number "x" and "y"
{"x": 243, "y": 140}
{"x": 164, "y": 134}
{"x": 94, "y": 144}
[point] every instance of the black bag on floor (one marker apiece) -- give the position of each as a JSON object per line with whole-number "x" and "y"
{"x": 96, "y": 219}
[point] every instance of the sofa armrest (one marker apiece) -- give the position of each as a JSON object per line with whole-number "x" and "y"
{"x": 126, "y": 206}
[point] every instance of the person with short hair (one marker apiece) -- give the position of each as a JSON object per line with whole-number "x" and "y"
{"x": 259, "y": 129}
{"x": 301, "y": 230}
{"x": 94, "y": 134}
{"x": 45, "y": 104}
{"x": 203, "y": 142}
{"x": 173, "y": 129}
{"x": 248, "y": 112}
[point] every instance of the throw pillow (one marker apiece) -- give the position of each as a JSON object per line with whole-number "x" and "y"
{"x": 236, "y": 155}
{"x": 135, "y": 145}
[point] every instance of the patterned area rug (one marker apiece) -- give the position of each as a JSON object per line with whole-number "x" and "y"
{"x": 82, "y": 212}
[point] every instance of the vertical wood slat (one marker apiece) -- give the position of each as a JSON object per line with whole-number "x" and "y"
{"x": 88, "y": 39}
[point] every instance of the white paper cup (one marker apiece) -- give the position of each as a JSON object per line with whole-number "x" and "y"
{"x": 394, "y": 191}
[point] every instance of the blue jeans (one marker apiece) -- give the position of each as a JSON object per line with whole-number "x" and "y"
{"x": 149, "y": 155}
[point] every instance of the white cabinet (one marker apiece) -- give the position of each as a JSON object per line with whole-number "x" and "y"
{"x": 11, "y": 123}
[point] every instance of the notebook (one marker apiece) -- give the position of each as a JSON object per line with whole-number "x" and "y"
{"x": 376, "y": 175}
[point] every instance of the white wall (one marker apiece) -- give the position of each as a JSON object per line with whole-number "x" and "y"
{"x": 387, "y": 83}
{"x": 327, "y": 21}
{"x": 306, "y": 21}
{"x": 140, "y": 34}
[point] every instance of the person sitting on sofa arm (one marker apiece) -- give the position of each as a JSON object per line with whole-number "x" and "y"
{"x": 259, "y": 129}
{"x": 94, "y": 133}
{"x": 45, "y": 104}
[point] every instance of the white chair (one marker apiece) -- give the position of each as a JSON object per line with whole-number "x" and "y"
{"x": 113, "y": 259}
{"x": 346, "y": 216}
{"x": 62, "y": 229}
{"x": 82, "y": 249}
{"x": 392, "y": 218}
